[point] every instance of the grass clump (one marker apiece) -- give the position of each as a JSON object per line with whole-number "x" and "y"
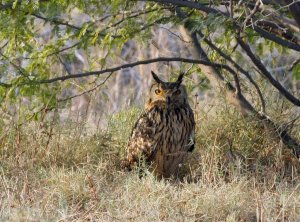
{"x": 55, "y": 172}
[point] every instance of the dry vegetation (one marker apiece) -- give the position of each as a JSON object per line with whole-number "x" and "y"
{"x": 55, "y": 172}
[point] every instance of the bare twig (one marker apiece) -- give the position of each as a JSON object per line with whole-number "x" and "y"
{"x": 20, "y": 69}
{"x": 288, "y": 22}
{"x": 4, "y": 45}
{"x": 55, "y": 52}
{"x": 5, "y": 85}
{"x": 130, "y": 17}
{"x": 2, "y": 83}
{"x": 189, "y": 69}
{"x": 87, "y": 91}
{"x": 293, "y": 64}
{"x": 129, "y": 65}
{"x": 56, "y": 21}
{"x": 178, "y": 36}
{"x": 249, "y": 17}
{"x": 64, "y": 65}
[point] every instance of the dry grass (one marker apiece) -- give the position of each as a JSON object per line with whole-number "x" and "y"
{"x": 52, "y": 172}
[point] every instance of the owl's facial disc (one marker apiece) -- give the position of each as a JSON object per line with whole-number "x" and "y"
{"x": 163, "y": 95}
{"x": 168, "y": 93}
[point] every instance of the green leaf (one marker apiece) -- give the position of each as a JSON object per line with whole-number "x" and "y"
{"x": 296, "y": 71}
{"x": 15, "y": 4}
{"x": 83, "y": 30}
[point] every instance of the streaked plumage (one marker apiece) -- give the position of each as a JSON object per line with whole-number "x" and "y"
{"x": 164, "y": 134}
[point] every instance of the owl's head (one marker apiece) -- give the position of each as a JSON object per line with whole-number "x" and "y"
{"x": 167, "y": 93}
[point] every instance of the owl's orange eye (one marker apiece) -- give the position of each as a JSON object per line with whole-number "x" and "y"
{"x": 177, "y": 92}
{"x": 157, "y": 91}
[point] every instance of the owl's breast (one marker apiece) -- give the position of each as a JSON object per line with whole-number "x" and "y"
{"x": 173, "y": 131}
{"x": 173, "y": 128}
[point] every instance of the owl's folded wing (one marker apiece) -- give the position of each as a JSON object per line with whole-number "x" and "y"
{"x": 141, "y": 143}
{"x": 191, "y": 140}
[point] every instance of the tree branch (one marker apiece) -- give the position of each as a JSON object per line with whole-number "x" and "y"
{"x": 5, "y": 85}
{"x": 276, "y": 39}
{"x": 266, "y": 73}
{"x": 201, "y": 7}
{"x": 274, "y": 15}
{"x": 130, "y": 65}
{"x": 55, "y": 52}
{"x": 294, "y": 7}
{"x": 133, "y": 14}
{"x": 249, "y": 17}
{"x": 239, "y": 68}
{"x": 64, "y": 64}
{"x": 189, "y": 4}
{"x": 292, "y": 66}
{"x": 278, "y": 30}
{"x": 56, "y": 21}
{"x": 87, "y": 91}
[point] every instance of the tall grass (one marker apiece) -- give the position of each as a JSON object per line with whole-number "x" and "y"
{"x": 58, "y": 172}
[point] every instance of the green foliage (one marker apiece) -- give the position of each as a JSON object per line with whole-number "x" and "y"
{"x": 24, "y": 26}
{"x": 37, "y": 36}
{"x": 208, "y": 24}
{"x": 296, "y": 71}
{"x": 120, "y": 124}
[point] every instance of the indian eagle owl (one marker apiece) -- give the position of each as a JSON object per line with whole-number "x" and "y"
{"x": 164, "y": 133}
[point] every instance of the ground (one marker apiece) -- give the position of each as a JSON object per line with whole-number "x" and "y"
{"x": 61, "y": 172}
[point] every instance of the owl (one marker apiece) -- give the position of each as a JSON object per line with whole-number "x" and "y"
{"x": 164, "y": 133}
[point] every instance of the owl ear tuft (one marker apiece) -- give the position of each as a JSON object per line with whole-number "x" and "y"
{"x": 155, "y": 77}
{"x": 180, "y": 78}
